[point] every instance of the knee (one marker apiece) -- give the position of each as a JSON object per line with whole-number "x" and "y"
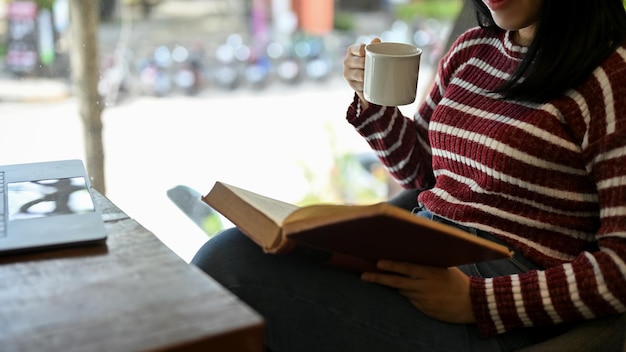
{"x": 220, "y": 256}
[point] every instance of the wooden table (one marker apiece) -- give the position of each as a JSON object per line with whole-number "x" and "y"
{"x": 132, "y": 294}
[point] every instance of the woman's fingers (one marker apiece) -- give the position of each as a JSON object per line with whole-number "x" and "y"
{"x": 353, "y": 66}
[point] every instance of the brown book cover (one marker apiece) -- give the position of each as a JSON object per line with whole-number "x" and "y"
{"x": 352, "y": 237}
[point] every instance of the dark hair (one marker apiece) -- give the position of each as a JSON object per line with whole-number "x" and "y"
{"x": 572, "y": 38}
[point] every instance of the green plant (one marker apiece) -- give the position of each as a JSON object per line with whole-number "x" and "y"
{"x": 347, "y": 182}
{"x": 212, "y": 224}
{"x": 343, "y": 21}
{"x": 45, "y": 4}
{"x": 440, "y": 9}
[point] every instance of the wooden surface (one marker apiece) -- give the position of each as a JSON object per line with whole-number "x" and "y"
{"x": 130, "y": 294}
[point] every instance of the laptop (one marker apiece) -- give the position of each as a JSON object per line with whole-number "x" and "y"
{"x": 47, "y": 205}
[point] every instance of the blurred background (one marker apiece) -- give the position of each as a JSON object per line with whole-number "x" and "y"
{"x": 188, "y": 92}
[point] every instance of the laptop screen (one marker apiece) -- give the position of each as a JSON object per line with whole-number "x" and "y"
{"x": 49, "y": 197}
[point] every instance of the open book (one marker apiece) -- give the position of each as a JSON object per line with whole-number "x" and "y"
{"x": 351, "y": 237}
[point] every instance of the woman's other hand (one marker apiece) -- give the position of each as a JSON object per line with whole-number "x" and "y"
{"x": 443, "y": 294}
{"x": 354, "y": 68}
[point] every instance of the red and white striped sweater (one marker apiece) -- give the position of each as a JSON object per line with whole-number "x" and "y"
{"x": 548, "y": 179}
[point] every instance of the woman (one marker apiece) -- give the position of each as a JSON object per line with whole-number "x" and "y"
{"x": 522, "y": 140}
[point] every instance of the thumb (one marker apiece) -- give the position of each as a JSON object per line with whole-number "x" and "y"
{"x": 362, "y": 49}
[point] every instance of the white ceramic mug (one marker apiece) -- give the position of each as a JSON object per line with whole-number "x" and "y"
{"x": 391, "y": 71}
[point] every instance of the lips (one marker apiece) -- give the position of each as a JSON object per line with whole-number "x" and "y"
{"x": 495, "y": 5}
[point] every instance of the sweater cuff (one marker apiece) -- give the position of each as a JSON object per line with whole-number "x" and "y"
{"x": 356, "y": 114}
{"x": 487, "y": 326}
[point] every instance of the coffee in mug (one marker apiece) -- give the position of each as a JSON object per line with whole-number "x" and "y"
{"x": 391, "y": 71}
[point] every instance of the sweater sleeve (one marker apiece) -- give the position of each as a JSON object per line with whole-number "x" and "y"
{"x": 593, "y": 285}
{"x": 401, "y": 143}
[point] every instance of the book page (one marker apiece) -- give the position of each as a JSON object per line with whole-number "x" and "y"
{"x": 320, "y": 213}
{"x": 274, "y": 209}
{"x": 316, "y": 215}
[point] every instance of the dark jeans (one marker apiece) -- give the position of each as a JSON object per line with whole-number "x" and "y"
{"x": 308, "y": 307}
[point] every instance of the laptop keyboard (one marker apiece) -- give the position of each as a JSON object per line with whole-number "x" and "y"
{"x": 3, "y": 225}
